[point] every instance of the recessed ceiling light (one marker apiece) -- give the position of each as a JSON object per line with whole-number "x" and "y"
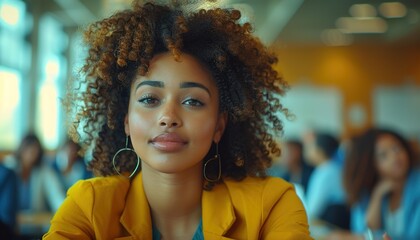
{"x": 393, "y": 9}
{"x": 362, "y": 11}
{"x": 362, "y": 25}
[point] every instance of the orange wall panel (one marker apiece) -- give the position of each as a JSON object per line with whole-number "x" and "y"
{"x": 354, "y": 70}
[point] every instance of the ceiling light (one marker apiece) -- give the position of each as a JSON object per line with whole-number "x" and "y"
{"x": 362, "y": 11}
{"x": 362, "y": 25}
{"x": 393, "y": 10}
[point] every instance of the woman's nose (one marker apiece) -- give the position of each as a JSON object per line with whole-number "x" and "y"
{"x": 169, "y": 117}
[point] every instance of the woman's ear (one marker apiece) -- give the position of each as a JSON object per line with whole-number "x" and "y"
{"x": 126, "y": 126}
{"x": 220, "y": 127}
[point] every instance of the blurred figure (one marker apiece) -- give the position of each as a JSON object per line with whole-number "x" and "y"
{"x": 292, "y": 168}
{"x": 382, "y": 186}
{"x": 325, "y": 194}
{"x": 38, "y": 185}
{"x": 297, "y": 170}
{"x": 8, "y": 202}
{"x": 69, "y": 166}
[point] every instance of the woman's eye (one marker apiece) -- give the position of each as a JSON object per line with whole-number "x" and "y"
{"x": 382, "y": 155}
{"x": 149, "y": 101}
{"x": 193, "y": 103}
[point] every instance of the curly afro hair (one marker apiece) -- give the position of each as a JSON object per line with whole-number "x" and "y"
{"x": 121, "y": 47}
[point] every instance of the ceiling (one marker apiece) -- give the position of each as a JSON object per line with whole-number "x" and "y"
{"x": 275, "y": 21}
{"x": 315, "y": 16}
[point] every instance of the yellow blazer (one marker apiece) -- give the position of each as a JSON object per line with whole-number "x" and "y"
{"x": 117, "y": 208}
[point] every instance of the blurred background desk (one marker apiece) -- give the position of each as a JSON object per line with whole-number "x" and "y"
{"x": 32, "y": 225}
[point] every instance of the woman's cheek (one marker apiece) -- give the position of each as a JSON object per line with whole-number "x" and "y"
{"x": 140, "y": 126}
{"x": 204, "y": 128}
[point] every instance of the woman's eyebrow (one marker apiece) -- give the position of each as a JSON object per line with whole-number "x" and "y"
{"x": 161, "y": 84}
{"x": 194, "y": 85}
{"x": 152, "y": 83}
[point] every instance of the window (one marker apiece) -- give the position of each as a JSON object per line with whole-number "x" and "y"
{"x": 14, "y": 64}
{"x": 53, "y": 41}
{"x": 10, "y": 101}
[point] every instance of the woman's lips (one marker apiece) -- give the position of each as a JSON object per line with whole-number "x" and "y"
{"x": 168, "y": 142}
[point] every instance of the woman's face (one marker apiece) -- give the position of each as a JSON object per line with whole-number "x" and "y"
{"x": 291, "y": 156}
{"x": 173, "y": 114}
{"x": 30, "y": 154}
{"x": 312, "y": 152}
{"x": 391, "y": 158}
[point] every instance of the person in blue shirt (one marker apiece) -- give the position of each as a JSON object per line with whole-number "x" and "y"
{"x": 325, "y": 197}
{"x": 69, "y": 166}
{"x": 8, "y": 202}
{"x": 298, "y": 171}
{"x": 382, "y": 180}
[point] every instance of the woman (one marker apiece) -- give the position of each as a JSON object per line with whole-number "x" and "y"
{"x": 193, "y": 95}
{"x": 38, "y": 187}
{"x": 69, "y": 166}
{"x": 382, "y": 186}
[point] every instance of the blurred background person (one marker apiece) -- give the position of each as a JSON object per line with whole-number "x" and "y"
{"x": 69, "y": 166}
{"x": 8, "y": 202}
{"x": 38, "y": 186}
{"x": 292, "y": 167}
{"x": 382, "y": 180}
{"x": 325, "y": 196}
{"x": 297, "y": 170}
{"x": 39, "y": 190}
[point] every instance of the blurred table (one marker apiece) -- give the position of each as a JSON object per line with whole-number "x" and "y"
{"x": 34, "y": 223}
{"x": 321, "y": 229}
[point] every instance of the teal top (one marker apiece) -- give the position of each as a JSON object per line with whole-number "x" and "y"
{"x": 198, "y": 235}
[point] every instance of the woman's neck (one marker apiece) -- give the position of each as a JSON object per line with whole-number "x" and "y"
{"x": 26, "y": 172}
{"x": 174, "y": 200}
{"x": 295, "y": 169}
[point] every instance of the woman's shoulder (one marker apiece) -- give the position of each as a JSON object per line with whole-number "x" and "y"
{"x": 413, "y": 181}
{"x": 109, "y": 186}
{"x": 414, "y": 174}
{"x": 269, "y": 205}
{"x": 6, "y": 174}
{"x": 258, "y": 182}
{"x": 258, "y": 187}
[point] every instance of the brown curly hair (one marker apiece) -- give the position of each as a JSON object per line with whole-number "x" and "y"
{"x": 121, "y": 47}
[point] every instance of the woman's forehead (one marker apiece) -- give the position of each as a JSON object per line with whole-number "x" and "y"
{"x": 166, "y": 69}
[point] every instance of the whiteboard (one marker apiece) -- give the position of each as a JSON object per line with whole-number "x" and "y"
{"x": 315, "y": 108}
{"x": 398, "y": 108}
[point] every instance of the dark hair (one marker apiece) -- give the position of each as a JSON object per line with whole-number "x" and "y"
{"x": 29, "y": 140}
{"x": 360, "y": 173}
{"x": 298, "y": 144}
{"x": 70, "y": 143}
{"x": 327, "y": 143}
{"x": 122, "y": 46}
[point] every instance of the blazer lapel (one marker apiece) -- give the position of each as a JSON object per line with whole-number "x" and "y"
{"x": 218, "y": 212}
{"x": 136, "y": 214}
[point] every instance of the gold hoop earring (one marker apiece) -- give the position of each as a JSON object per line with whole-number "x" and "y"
{"x": 218, "y": 161}
{"x": 122, "y": 150}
